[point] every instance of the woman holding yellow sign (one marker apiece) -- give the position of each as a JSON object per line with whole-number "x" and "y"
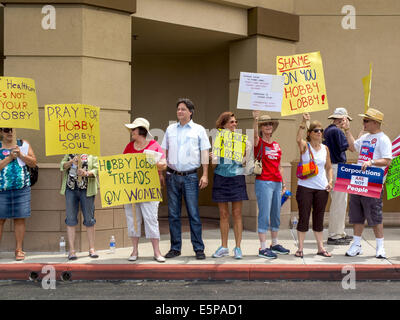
{"x": 229, "y": 185}
{"x": 146, "y": 211}
{"x": 15, "y": 190}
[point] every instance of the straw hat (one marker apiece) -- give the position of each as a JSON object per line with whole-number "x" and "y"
{"x": 266, "y": 118}
{"x": 339, "y": 113}
{"x": 373, "y": 114}
{"x": 139, "y": 122}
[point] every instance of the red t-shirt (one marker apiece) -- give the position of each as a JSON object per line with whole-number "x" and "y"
{"x": 153, "y": 145}
{"x": 271, "y": 159}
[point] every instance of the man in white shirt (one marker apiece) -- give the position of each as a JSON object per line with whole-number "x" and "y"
{"x": 375, "y": 149}
{"x": 186, "y": 146}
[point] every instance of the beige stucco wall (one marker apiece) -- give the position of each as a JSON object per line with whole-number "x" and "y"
{"x": 279, "y": 5}
{"x": 195, "y": 13}
{"x": 86, "y": 59}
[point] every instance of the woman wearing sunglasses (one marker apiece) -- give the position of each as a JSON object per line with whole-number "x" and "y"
{"x": 312, "y": 193}
{"x": 229, "y": 185}
{"x": 15, "y": 185}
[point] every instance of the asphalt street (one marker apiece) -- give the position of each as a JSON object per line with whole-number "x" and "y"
{"x": 200, "y": 290}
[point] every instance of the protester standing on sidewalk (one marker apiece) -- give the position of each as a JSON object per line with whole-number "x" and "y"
{"x": 15, "y": 186}
{"x": 146, "y": 211}
{"x": 186, "y": 147}
{"x": 337, "y": 144}
{"x": 312, "y": 193}
{"x": 375, "y": 150}
{"x": 79, "y": 185}
{"x": 229, "y": 185}
{"x": 269, "y": 185}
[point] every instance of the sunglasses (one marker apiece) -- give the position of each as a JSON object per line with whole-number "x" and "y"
{"x": 318, "y": 130}
{"x": 6, "y": 130}
{"x": 366, "y": 120}
{"x": 233, "y": 121}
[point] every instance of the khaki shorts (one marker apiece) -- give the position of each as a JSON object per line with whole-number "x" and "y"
{"x": 363, "y": 208}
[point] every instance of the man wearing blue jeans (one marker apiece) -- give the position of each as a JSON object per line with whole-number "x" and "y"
{"x": 186, "y": 147}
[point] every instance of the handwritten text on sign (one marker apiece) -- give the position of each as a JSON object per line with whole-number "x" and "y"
{"x": 128, "y": 178}
{"x": 72, "y": 128}
{"x": 18, "y": 103}
{"x": 259, "y": 91}
{"x": 230, "y": 145}
{"x": 351, "y": 179}
{"x": 304, "y": 85}
{"x": 393, "y": 179}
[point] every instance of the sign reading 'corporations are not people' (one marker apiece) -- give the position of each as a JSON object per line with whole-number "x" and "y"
{"x": 351, "y": 179}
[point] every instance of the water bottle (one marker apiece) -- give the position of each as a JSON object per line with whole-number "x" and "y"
{"x": 112, "y": 244}
{"x": 62, "y": 245}
{"x": 285, "y": 196}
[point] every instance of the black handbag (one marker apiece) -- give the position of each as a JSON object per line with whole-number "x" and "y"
{"x": 33, "y": 172}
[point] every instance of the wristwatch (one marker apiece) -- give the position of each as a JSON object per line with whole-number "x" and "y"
{"x": 372, "y": 161}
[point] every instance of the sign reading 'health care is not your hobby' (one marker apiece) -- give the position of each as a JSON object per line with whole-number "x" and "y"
{"x": 351, "y": 179}
{"x": 72, "y": 128}
{"x": 304, "y": 85}
{"x": 18, "y": 103}
{"x": 128, "y": 178}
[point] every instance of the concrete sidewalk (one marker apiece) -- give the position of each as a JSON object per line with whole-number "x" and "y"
{"x": 185, "y": 267}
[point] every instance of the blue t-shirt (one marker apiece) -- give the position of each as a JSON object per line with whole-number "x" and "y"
{"x": 230, "y": 169}
{"x": 337, "y": 143}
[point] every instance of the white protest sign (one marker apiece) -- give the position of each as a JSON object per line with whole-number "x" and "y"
{"x": 259, "y": 91}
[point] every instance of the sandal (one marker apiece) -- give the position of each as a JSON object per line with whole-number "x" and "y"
{"x": 324, "y": 254}
{"x": 93, "y": 254}
{"x": 299, "y": 254}
{"x": 19, "y": 255}
{"x": 72, "y": 256}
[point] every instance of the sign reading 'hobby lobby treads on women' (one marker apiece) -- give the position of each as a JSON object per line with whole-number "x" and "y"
{"x": 18, "y": 103}
{"x": 72, "y": 128}
{"x": 351, "y": 179}
{"x": 128, "y": 178}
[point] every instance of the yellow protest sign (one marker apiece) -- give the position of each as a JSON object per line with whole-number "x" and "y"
{"x": 18, "y": 103}
{"x": 72, "y": 128}
{"x": 128, "y": 178}
{"x": 304, "y": 87}
{"x": 230, "y": 145}
{"x": 367, "y": 88}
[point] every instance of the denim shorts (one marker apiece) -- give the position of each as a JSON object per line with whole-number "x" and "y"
{"x": 15, "y": 204}
{"x": 72, "y": 200}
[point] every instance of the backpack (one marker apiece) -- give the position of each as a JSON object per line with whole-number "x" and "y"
{"x": 33, "y": 172}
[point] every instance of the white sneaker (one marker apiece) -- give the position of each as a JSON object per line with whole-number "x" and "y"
{"x": 354, "y": 250}
{"x": 221, "y": 252}
{"x": 380, "y": 253}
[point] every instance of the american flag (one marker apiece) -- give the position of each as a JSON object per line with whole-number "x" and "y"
{"x": 395, "y": 151}
{"x": 396, "y": 147}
